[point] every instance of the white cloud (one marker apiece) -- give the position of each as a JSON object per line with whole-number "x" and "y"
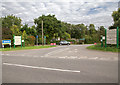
{"x": 73, "y": 11}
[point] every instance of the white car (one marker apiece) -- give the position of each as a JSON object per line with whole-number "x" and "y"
{"x": 64, "y": 42}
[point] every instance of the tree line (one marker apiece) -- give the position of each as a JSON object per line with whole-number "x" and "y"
{"x": 53, "y": 29}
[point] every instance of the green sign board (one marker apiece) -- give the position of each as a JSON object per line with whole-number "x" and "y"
{"x": 82, "y": 39}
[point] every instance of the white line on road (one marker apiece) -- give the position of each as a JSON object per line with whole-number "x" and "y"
{"x": 45, "y": 68}
{"x": 56, "y": 51}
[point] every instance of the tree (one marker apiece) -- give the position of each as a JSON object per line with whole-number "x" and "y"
{"x": 116, "y": 17}
{"x": 29, "y": 30}
{"x": 83, "y": 30}
{"x": 65, "y": 36}
{"x": 15, "y": 30}
{"x": 32, "y": 31}
{"x": 6, "y": 34}
{"x": 102, "y": 30}
{"x": 92, "y": 29}
{"x": 25, "y": 28}
{"x": 10, "y": 20}
{"x": 51, "y": 26}
{"x": 24, "y": 35}
{"x": 7, "y": 22}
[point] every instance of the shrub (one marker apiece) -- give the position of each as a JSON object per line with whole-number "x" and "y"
{"x": 30, "y": 40}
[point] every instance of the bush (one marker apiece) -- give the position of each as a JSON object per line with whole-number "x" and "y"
{"x": 30, "y": 41}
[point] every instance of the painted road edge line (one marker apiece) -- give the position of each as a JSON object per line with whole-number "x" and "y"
{"x": 44, "y": 68}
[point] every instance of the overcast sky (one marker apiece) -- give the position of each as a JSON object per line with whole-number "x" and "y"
{"x": 96, "y": 12}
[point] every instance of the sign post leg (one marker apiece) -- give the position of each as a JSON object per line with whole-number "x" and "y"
{"x": 37, "y": 41}
{"x": 105, "y": 38}
{"x": 101, "y": 41}
{"x": 21, "y": 41}
{"x": 117, "y": 37}
{"x": 14, "y": 40}
{"x": 44, "y": 40}
{"x": 3, "y": 46}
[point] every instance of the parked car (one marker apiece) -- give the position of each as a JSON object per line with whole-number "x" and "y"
{"x": 64, "y": 42}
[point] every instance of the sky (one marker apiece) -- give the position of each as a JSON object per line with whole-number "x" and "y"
{"x": 97, "y": 12}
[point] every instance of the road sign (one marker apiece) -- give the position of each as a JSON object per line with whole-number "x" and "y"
{"x": 36, "y": 36}
{"x": 5, "y": 42}
{"x": 112, "y": 36}
{"x": 103, "y": 37}
{"x": 22, "y": 40}
{"x": 58, "y": 38}
{"x": 17, "y": 40}
{"x": 82, "y": 39}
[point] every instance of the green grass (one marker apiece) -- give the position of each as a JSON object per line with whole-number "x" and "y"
{"x": 26, "y": 48}
{"x": 98, "y": 47}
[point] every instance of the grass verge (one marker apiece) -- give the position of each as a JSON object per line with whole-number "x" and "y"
{"x": 98, "y": 47}
{"x": 26, "y": 48}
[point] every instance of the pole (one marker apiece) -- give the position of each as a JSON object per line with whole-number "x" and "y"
{"x": 37, "y": 40}
{"x": 21, "y": 41}
{"x": 10, "y": 46}
{"x": 14, "y": 40}
{"x": 42, "y": 33}
{"x": 3, "y": 46}
{"x": 105, "y": 38}
{"x": 117, "y": 37}
{"x": 44, "y": 40}
{"x": 101, "y": 41}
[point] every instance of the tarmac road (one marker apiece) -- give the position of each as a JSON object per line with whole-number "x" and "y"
{"x": 61, "y": 64}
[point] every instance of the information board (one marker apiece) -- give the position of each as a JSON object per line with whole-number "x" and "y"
{"x": 17, "y": 40}
{"x": 112, "y": 36}
{"x": 5, "y": 42}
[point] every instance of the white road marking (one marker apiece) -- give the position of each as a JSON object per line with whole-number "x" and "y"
{"x": 72, "y": 57}
{"x": 22, "y": 55}
{"x": 62, "y": 57}
{"x": 93, "y": 58}
{"x": 41, "y": 56}
{"x": 44, "y": 68}
{"x": 69, "y": 51}
{"x": 7, "y": 54}
{"x": 56, "y": 51}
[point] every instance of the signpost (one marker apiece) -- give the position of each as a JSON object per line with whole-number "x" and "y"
{"x": 112, "y": 37}
{"x": 23, "y": 43}
{"x": 82, "y": 39}
{"x": 44, "y": 40}
{"x": 105, "y": 38}
{"x": 17, "y": 40}
{"x": 5, "y": 42}
{"x": 117, "y": 37}
{"x": 37, "y": 39}
{"x": 58, "y": 38}
{"x": 101, "y": 41}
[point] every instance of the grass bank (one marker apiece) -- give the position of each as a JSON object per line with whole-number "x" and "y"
{"x": 98, "y": 47}
{"x": 26, "y": 48}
